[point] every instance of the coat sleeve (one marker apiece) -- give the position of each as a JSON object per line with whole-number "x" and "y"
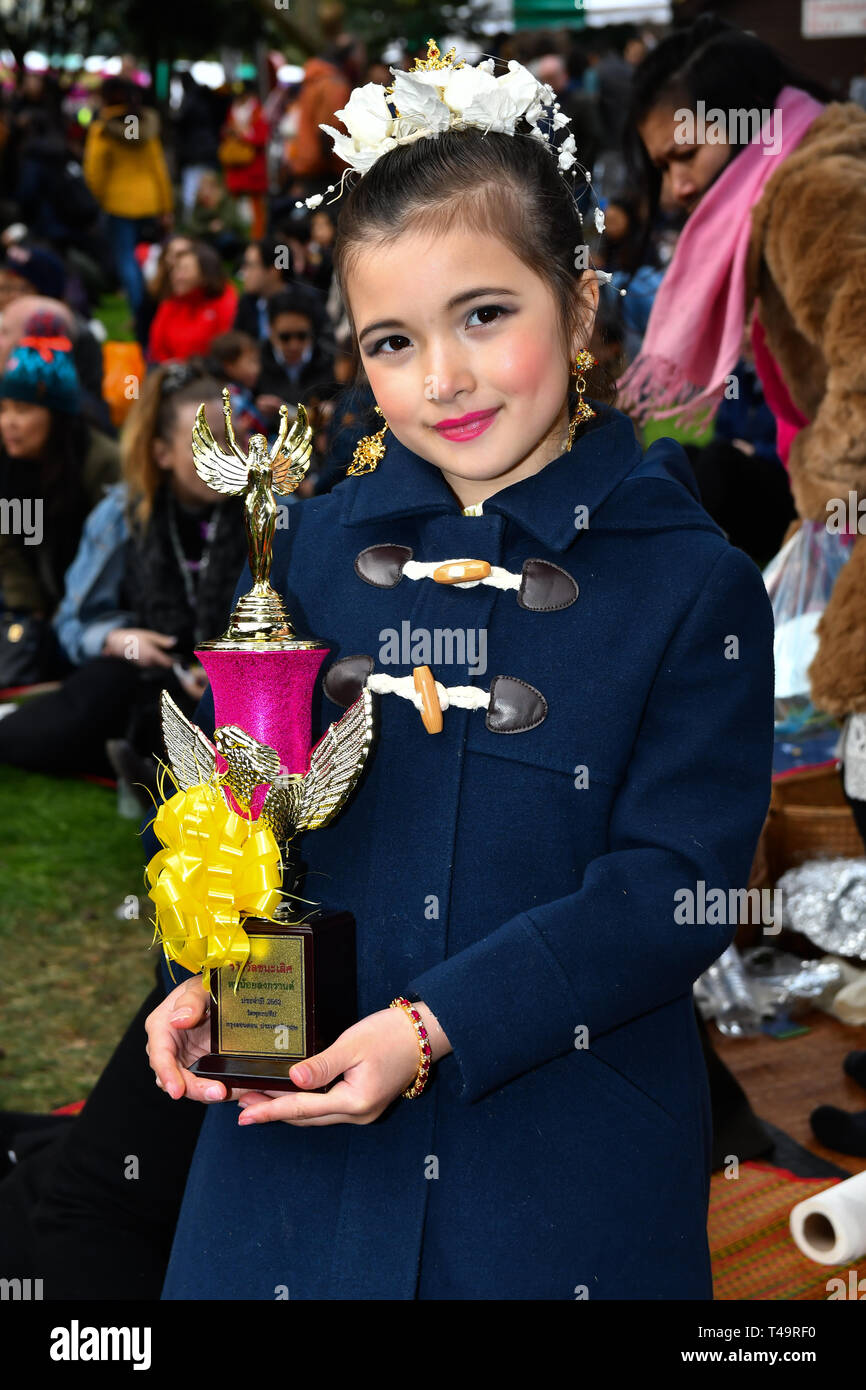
{"x": 91, "y": 603}
{"x": 690, "y": 808}
{"x": 157, "y": 347}
{"x": 815, "y": 248}
{"x": 161, "y": 179}
{"x": 96, "y": 157}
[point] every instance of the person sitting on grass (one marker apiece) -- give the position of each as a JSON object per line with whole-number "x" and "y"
{"x": 201, "y": 305}
{"x": 154, "y": 576}
{"x": 53, "y": 469}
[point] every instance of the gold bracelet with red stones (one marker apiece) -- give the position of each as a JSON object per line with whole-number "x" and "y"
{"x": 417, "y": 1022}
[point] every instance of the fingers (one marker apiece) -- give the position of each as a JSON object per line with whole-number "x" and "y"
{"x": 157, "y": 658}
{"x": 161, "y": 639}
{"x": 185, "y": 1008}
{"x": 325, "y": 1066}
{"x": 342, "y": 1104}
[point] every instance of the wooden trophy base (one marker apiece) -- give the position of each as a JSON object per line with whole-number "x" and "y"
{"x": 295, "y": 996}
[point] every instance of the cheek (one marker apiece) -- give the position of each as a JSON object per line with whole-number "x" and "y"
{"x": 522, "y": 367}
{"x": 710, "y": 162}
{"x": 397, "y": 393}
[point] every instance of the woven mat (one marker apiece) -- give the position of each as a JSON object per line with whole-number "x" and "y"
{"x": 753, "y": 1252}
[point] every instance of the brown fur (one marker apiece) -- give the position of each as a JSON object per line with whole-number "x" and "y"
{"x": 807, "y": 267}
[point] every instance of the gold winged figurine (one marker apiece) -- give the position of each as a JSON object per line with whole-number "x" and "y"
{"x": 292, "y": 803}
{"x": 260, "y": 614}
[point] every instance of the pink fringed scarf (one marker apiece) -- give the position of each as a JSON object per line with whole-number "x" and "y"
{"x": 695, "y": 332}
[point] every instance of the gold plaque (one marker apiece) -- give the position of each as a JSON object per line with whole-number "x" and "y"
{"x": 265, "y": 1017}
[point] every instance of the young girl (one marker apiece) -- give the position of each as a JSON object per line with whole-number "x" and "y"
{"x": 519, "y": 874}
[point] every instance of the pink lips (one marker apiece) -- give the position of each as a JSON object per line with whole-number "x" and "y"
{"x": 467, "y": 426}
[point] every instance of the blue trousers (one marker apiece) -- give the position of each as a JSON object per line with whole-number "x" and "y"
{"x": 123, "y": 234}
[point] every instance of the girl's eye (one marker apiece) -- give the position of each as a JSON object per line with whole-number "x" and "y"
{"x": 496, "y": 309}
{"x": 376, "y": 348}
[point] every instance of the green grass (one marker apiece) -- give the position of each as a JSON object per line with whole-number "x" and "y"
{"x": 665, "y": 429}
{"x": 113, "y": 312}
{"x": 73, "y": 972}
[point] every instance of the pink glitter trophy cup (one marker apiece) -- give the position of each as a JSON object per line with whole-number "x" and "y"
{"x": 296, "y": 993}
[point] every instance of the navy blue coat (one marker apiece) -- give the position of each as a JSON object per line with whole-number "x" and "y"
{"x": 521, "y": 899}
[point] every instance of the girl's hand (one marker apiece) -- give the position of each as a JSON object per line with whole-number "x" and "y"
{"x": 377, "y": 1058}
{"x": 178, "y": 1033}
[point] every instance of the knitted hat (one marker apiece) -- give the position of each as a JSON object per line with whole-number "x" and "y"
{"x": 40, "y": 268}
{"x": 42, "y": 371}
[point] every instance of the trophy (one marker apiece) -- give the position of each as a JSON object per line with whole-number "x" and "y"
{"x": 280, "y": 990}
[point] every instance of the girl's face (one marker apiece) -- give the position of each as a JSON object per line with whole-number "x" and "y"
{"x": 247, "y": 367}
{"x": 321, "y": 229}
{"x": 687, "y": 170}
{"x": 185, "y": 273}
{"x": 24, "y": 428}
{"x": 174, "y": 455}
{"x": 616, "y": 222}
{"x": 177, "y": 246}
{"x": 252, "y": 272}
{"x": 456, "y": 326}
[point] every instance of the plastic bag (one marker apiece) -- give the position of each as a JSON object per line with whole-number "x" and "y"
{"x": 123, "y": 369}
{"x": 799, "y": 581}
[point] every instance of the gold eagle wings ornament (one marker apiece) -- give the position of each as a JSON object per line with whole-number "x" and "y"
{"x": 292, "y": 802}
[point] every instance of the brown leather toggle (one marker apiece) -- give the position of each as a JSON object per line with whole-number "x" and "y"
{"x": 431, "y": 710}
{"x": 345, "y": 679}
{"x": 545, "y": 588}
{"x": 460, "y": 571}
{"x": 382, "y": 565}
{"x": 515, "y": 706}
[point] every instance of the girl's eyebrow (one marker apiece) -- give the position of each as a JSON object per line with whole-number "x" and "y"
{"x": 452, "y": 304}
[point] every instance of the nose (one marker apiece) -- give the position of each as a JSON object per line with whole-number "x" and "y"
{"x": 447, "y": 371}
{"x": 682, "y": 185}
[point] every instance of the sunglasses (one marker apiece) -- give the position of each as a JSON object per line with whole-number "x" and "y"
{"x": 301, "y": 334}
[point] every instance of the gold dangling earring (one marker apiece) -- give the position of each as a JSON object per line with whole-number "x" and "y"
{"x": 368, "y": 451}
{"x": 582, "y": 364}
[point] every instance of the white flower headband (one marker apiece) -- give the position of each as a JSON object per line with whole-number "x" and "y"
{"x": 439, "y": 94}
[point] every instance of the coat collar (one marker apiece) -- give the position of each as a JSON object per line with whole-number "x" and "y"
{"x": 604, "y": 452}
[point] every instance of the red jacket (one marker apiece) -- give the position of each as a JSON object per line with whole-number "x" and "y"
{"x": 251, "y": 177}
{"x": 187, "y": 324}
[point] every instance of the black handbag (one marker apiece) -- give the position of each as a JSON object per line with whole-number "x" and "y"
{"x": 26, "y": 647}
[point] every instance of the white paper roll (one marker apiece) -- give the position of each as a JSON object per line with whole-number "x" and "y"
{"x": 831, "y": 1227}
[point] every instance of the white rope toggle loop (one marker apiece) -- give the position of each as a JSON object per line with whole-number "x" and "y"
{"x": 499, "y": 578}
{"x": 461, "y": 696}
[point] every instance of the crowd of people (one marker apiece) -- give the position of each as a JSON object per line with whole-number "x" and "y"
{"x": 121, "y": 560}
{"x": 195, "y": 216}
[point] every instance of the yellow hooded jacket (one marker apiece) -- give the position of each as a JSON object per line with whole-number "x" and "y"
{"x": 124, "y": 164}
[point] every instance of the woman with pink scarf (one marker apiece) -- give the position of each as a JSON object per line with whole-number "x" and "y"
{"x": 715, "y": 121}
{"x": 773, "y": 253}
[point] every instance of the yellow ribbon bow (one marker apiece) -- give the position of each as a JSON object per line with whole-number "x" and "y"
{"x": 215, "y": 867}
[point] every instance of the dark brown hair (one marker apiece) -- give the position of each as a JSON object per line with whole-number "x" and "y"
{"x": 228, "y": 347}
{"x": 496, "y": 184}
